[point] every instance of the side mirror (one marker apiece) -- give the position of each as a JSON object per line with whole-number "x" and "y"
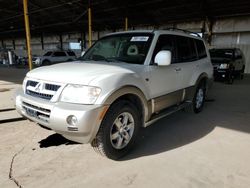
{"x": 163, "y": 58}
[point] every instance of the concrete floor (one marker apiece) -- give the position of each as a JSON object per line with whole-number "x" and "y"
{"x": 210, "y": 149}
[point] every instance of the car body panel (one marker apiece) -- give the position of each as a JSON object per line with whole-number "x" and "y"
{"x": 156, "y": 87}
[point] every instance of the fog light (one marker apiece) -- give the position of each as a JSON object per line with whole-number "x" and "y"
{"x": 72, "y": 120}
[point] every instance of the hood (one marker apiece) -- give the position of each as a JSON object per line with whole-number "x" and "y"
{"x": 80, "y": 72}
{"x": 220, "y": 60}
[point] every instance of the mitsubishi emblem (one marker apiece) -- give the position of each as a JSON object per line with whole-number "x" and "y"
{"x": 38, "y": 87}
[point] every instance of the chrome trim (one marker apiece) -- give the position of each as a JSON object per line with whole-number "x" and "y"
{"x": 153, "y": 105}
{"x": 183, "y": 95}
{"x": 167, "y": 112}
{"x": 43, "y": 89}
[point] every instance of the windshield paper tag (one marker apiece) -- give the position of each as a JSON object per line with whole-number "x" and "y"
{"x": 139, "y": 39}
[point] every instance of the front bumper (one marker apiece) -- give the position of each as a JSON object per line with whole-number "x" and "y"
{"x": 221, "y": 73}
{"x": 54, "y": 116}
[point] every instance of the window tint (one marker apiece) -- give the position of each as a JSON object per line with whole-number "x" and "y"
{"x": 166, "y": 42}
{"x": 57, "y": 54}
{"x": 48, "y": 54}
{"x": 186, "y": 49}
{"x": 201, "y": 49}
{"x": 71, "y": 53}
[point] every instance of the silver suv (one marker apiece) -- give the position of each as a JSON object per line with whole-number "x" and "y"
{"x": 125, "y": 81}
{"x": 52, "y": 57}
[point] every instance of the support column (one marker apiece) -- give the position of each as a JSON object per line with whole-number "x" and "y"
{"x": 13, "y": 44}
{"x": 209, "y": 25}
{"x": 27, "y": 29}
{"x": 61, "y": 42}
{"x": 42, "y": 41}
{"x": 90, "y": 25}
{"x": 126, "y": 23}
{"x": 84, "y": 40}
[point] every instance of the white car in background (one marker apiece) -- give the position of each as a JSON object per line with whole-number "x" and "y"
{"x": 52, "y": 57}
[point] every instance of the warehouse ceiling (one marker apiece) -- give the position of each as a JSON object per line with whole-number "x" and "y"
{"x": 60, "y": 16}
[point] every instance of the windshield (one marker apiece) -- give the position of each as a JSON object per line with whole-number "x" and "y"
{"x": 129, "y": 48}
{"x": 221, "y": 53}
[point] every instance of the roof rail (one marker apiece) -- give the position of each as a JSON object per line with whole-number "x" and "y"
{"x": 183, "y": 30}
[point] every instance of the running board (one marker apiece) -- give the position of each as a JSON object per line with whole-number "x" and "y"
{"x": 167, "y": 112}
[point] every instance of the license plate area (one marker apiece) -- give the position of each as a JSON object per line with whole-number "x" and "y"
{"x": 31, "y": 112}
{"x": 36, "y": 114}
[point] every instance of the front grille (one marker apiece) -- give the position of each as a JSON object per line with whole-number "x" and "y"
{"x": 40, "y": 89}
{"x": 37, "y": 108}
{"x": 39, "y": 95}
{"x": 31, "y": 83}
{"x": 37, "y": 112}
{"x": 52, "y": 87}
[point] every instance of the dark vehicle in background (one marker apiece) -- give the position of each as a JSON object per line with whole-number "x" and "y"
{"x": 228, "y": 63}
{"x": 8, "y": 57}
{"x": 52, "y": 57}
{"x": 22, "y": 61}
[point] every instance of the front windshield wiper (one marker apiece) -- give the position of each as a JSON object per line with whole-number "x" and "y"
{"x": 107, "y": 59}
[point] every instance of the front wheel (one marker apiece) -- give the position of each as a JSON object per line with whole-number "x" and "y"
{"x": 118, "y": 130}
{"x": 242, "y": 73}
{"x": 45, "y": 63}
{"x": 230, "y": 78}
{"x": 199, "y": 98}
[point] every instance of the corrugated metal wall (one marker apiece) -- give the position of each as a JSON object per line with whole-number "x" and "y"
{"x": 231, "y": 32}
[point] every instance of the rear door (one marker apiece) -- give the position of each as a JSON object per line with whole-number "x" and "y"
{"x": 59, "y": 57}
{"x": 165, "y": 81}
{"x": 187, "y": 60}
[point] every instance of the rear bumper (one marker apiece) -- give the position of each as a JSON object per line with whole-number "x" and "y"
{"x": 54, "y": 116}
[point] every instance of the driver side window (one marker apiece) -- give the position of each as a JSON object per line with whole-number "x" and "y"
{"x": 166, "y": 42}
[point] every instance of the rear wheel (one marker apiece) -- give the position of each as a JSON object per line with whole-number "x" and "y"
{"x": 118, "y": 130}
{"x": 198, "y": 99}
{"x": 46, "y": 62}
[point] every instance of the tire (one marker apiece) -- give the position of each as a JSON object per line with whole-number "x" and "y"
{"x": 118, "y": 131}
{"x": 46, "y": 62}
{"x": 242, "y": 73}
{"x": 199, "y": 97}
{"x": 230, "y": 78}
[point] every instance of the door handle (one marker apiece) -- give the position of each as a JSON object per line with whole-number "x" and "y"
{"x": 177, "y": 69}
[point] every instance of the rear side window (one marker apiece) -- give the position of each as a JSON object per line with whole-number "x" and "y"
{"x": 201, "y": 49}
{"x": 57, "y": 54}
{"x": 71, "y": 53}
{"x": 186, "y": 49}
{"x": 48, "y": 54}
{"x": 166, "y": 42}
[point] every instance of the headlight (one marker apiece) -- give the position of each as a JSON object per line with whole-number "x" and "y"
{"x": 24, "y": 83}
{"x": 224, "y": 66}
{"x": 80, "y": 94}
{"x": 37, "y": 61}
